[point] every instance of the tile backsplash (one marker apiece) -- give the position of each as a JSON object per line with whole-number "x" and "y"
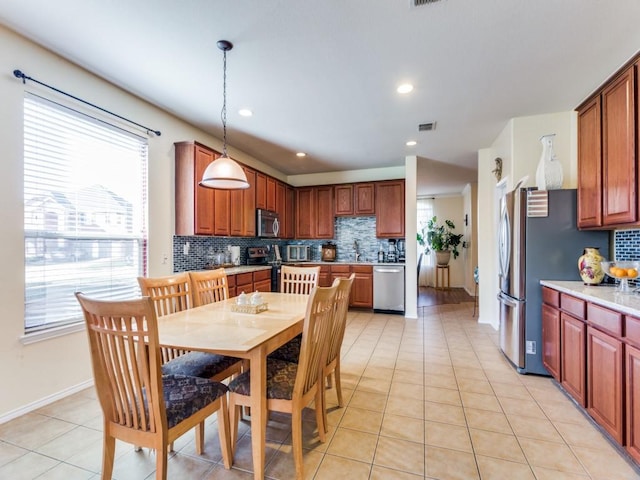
{"x": 347, "y": 231}
{"x": 627, "y": 244}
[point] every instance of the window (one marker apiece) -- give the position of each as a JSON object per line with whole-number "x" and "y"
{"x": 85, "y": 204}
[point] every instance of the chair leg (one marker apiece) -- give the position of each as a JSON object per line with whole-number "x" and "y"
{"x": 234, "y": 418}
{"x": 223, "y": 432}
{"x": 321, "y": 414}
{"x": 161, "y": 464}
{"x": 296, "y": 434}
{"x": 336, "y": 379}
{"x": 199, "y": 438}
{"x": 108, "y": 455}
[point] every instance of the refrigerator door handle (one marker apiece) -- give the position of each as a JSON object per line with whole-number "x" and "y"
{"x": 510, "y": 302}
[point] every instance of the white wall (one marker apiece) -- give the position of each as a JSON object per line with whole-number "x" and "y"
{"x": 411, "y": 252}
{"x": 470, "y": 253}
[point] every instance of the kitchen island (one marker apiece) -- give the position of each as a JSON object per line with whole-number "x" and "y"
{"x": 591, "y": 346}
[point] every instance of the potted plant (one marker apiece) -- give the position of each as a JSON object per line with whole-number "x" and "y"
{"x": 441, "y": 239}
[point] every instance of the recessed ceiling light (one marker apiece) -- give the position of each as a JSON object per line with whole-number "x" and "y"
{"x": 301, "y": 154}
{"x": 411, "y": 143}
{"x": 405, "y": 88}
{"x": 245, "y": 112}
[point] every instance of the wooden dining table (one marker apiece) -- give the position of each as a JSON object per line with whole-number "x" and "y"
{"x": 216, "y": 328}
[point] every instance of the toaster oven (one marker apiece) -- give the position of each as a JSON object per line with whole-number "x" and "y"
{"x": 298, "y": 253}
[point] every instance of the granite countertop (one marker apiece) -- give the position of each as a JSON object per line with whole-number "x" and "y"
{"x": 605, "y": 295}
{"x": 245, "y": 269}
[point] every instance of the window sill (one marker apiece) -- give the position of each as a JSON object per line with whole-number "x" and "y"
{"x": 49, "y": 333}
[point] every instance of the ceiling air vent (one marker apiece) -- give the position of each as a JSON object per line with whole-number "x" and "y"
{"x": 426, "y": 127}
{"x": 417, "y": 3}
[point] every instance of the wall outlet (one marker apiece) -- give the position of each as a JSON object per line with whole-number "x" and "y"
{"x": 185, "y": 249}
{"x": 165, "y": 258}
{"x": 531, "y": 347}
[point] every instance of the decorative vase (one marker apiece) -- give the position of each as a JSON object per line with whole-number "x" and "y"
{"x": 590, "y": 267}
{"x": 549, "y": 171}
{"x": 443, "y": 257}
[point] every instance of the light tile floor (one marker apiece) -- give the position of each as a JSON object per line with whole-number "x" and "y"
{"x": 431, "y": 398}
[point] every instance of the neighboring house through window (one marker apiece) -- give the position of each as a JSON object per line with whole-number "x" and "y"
{"x": 85, "y": 210}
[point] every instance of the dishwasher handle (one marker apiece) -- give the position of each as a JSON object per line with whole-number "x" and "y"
{"x": 387, "y": 270}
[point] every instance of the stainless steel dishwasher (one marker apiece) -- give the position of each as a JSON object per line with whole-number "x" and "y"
{"x": 388, "y": 288}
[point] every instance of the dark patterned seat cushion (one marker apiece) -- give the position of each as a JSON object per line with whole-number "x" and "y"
{"x": 198, "y": 364}
{"x": 290, "y": 351}
{"x": 184, "y": 396}
{"x": 281, "y": 377}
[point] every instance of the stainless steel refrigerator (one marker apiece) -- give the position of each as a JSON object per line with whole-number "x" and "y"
{"x": 537, "y": 240}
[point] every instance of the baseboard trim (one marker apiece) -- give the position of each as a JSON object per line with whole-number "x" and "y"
{"x": 30, "y": 407}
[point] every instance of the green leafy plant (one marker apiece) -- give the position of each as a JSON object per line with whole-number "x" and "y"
{"x": 440, "y": 237}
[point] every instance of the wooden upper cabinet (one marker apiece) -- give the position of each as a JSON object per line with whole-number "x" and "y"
{"x": 324, "y": 214}
{"x": 590, "y": 171}
{"x": 280, "y": 205}
{"x": 271, "y": 194}
{"x": 236, "y": 212}
{"x": 306, "y": 209}
{"x": 344, "y": 199}
{"x": 364, "y": 199}
{"x": 389, "y": 200}
{"x": 249, "y": 205}
{"x": 261, "y": 190}
{"x": 289, "y": 223}
{"x": 194, "y": 205}
{"x": 222, "y": 209}
{"x": 619, "y": 151}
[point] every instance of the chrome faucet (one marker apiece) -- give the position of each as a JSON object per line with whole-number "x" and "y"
{"x": 356, "y": 248}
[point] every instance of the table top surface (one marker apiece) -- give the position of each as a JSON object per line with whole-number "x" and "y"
{"x": 215, "y": 327}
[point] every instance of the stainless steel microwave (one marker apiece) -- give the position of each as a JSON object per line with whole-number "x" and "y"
{"x": 298, "y": 253}
{"x": 267, "y": 223}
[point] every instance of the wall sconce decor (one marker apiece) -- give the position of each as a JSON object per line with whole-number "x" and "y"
{"x": 498, "y": 170}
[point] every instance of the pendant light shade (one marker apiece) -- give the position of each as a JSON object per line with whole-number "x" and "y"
{"x": 224, "y": 173}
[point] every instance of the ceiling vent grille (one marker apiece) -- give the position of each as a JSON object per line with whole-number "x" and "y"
{"x": 418, "y": 3}
{"x": 426, "y": 127}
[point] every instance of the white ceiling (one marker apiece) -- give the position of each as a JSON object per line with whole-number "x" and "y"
{"x": 321, "y": 76}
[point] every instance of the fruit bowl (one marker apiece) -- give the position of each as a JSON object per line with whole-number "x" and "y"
{"x": 623, "y": 271}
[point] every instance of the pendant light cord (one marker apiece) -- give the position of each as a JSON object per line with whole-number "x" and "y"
{"x": 224, "y": 103}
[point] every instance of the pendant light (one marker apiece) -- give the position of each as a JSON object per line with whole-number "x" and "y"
{"x": 224, "y": 173}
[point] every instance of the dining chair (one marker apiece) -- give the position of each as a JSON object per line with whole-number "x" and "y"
{"x": 298, "y": 279}
{"x": 293, "y": 386}
{"x": 170, "y": 294}
{"x": 336, "y": 336}
{"x": 208, "y": 286}
{"x": 139, "y": 404}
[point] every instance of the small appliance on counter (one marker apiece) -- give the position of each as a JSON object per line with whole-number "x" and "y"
{"x": 329, "y": 252}
{"x": 298, "y": 253}
{"x": 392, "y": 254}
{"x": 235, "y": 254}
{"x": 401, "y": 250}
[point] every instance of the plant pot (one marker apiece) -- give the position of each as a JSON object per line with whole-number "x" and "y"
{"x": 443, "y": 257}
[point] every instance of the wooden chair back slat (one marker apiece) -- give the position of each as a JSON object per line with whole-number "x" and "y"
{"x": 340, "y": 317}
{"x": 300, "y": 280}
{"x": 208, "y": 286}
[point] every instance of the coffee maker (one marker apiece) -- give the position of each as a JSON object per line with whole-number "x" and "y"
{"x": 392, "y": 254}
{"x": 401, "y": 250}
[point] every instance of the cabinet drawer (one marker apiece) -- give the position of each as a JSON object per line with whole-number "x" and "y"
{"x": 244, "y": 278}
{"x": 573, "y": 305}
{"x": 262, "y": 275}
{"x": 605, "y": 319}
{"x": 362, "y": 269}
{"x": 231, "y": 281}
{"x": 340, "y": 268}
{"x": 551, "y": 297}
{"x": 632, "y": 329}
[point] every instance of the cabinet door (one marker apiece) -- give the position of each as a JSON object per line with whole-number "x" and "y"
{"x": 590, "y": 165}
{"x": 573, "y": 357}
{"x": 244, "y": 283}
{"x": 604, "y": 382}
{"x": 249, "y": 205}
{"x": 364, "y": 199}
{"x": 551, "y": 340}
{"x": 236, "y": 212}
{"x": 194, "y": 213}
{"x": 281, "y": 206}
{"x": 324, "y": 212}
{"x": 344, "y": 199}
{"x": 390, "y": 209}
{"x": 221, "y": 203}
{"x": 618, "y": 151}
{"x": 362, "y": 289}
{"x": 261, "y": 190}
{"x": 290, "y": 212}
{"x": 633, "y": 401}
{"x": 305, "y": 213}
{"x": 271, "y": 194}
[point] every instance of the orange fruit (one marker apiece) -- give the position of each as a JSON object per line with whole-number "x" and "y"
{"x": 632, "y": 272}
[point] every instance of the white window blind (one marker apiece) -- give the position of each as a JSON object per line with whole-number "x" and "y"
{"x": 85, "y": 204}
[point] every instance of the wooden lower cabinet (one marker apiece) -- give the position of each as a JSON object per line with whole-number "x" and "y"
{"x": 551, "y": 340}
{"x": 262, "y": 281}
{"x": 244, "y": 283}
{"x": 231, "y": 282}
{"x": 573, "y": 356}
{"x": 604, "y": 382}
{"x": 362, "y": 289}
{"x": 632, "y": 377}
